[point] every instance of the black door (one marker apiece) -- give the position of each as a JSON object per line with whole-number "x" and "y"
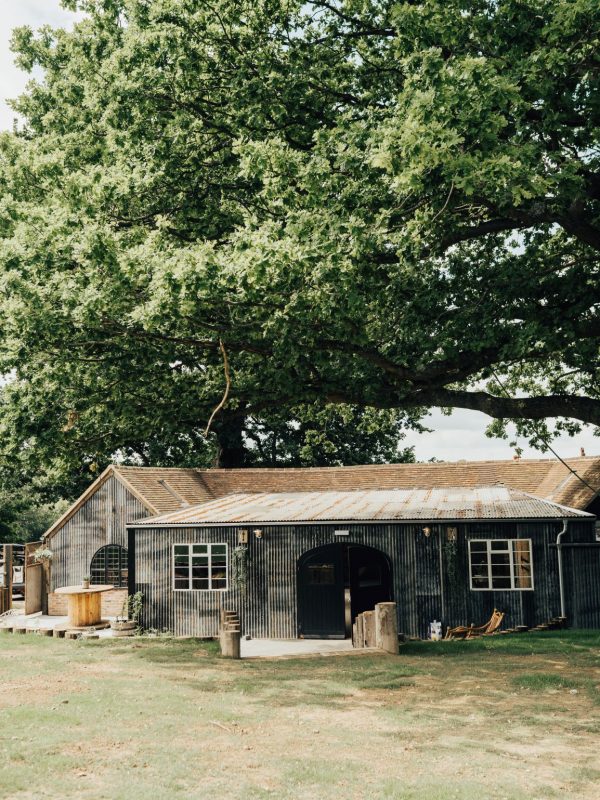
{"x": 321, "y": 593}
{"x": 370, "y": 578}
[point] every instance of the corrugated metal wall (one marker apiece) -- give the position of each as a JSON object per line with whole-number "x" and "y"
{"x": 268, "y": 606}
{"x": 101, "y": 520}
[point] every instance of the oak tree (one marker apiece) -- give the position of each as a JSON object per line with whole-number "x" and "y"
{"x": 377, "y": 204}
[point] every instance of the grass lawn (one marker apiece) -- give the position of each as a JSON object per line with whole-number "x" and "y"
{"x": 509, "y": 717}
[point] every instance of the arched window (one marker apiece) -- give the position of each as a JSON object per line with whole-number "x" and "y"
{"x": 109, "y": 566}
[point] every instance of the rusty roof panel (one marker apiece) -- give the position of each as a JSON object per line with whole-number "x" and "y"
{"x": 451, "y": 503}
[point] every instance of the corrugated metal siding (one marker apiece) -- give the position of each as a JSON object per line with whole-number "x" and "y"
{"x": 268, "y": 606}
{"x": 101, "y": 520}
{"x": 582, "y": 580}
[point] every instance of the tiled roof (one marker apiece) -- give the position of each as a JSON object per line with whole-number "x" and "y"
{"x": 457, "y": 503}
{"x": 164, "y": 489}
{"x": 546, "y": 478}
{"x": 167, "y": 488}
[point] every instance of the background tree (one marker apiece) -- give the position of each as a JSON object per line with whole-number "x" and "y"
{"x": 376, "y": 204}
{"x": 23, "y": 518}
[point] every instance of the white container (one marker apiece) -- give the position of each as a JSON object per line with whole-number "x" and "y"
{"x": 435, "y": 631}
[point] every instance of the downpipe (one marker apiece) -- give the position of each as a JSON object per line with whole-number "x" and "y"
{"x": 561, "y": 584}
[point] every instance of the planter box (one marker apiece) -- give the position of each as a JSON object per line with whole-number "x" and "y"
{"x": 124, "y": 628}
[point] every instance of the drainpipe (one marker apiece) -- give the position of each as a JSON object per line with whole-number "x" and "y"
{"x": 560, "y": 567}
{"x": 442, "y": 586}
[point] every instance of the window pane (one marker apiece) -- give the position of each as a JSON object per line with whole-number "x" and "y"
{"x": 321, "y": 574}
{"x": 181, "y": 583}
{"x": 523, "y": 582}
{"x": 500, "y": 582}
{"x": 479, "y": 564}
{"x": 200, "y": 561}
{"x": 522, "y": 562}
{"x": 479, "y": 572}
{"x": 181, "y": 572}
{"x": 199, "y": 549}
{"x": 219, "y": 579}
{"x": 499, "y": 544}
{"x": 200, "y": 583}
{"x": 220, "y": 549}
{"x": 181, "y": 549}
{"x": 200, "y": 572}
{"x": 478, "y": 546}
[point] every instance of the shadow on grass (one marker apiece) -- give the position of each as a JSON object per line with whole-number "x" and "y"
{"x": 328, "y": 680}
{"x": 522, "y": 644}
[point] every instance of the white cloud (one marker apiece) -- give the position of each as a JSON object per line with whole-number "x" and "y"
{"x": 462, "y": 436}
{"x": 13, "y": 14}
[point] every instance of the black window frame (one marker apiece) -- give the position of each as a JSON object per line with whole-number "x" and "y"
{"x": 102, "y": 574}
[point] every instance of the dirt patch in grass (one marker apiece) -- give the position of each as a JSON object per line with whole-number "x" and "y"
{"x": 170, "y": 719}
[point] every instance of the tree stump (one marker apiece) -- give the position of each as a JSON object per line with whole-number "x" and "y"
{"x": 230, "y": 643}
{"x": 386, "y": 627}
{"x": 369, "y": 628}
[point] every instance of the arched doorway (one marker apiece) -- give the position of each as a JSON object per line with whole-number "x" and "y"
{"x": 335, "y": 583}
{"x": 109, "y": 566}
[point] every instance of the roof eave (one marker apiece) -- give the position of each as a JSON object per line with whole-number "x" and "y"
{"x": 418, "y": 521}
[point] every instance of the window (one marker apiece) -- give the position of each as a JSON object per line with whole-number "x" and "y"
{"x": 501, "y": 564}
{"x": 200, "y": 567}
{"x": 109, "y": 566}
{"x": 321, "y": 574}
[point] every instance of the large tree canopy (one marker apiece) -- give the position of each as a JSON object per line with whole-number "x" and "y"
{"x": 371, "y": 203}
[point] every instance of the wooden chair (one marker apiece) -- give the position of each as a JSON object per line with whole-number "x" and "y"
{"x": 471, "y": 631}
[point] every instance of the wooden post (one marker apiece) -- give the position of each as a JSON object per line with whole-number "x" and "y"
{"x": 230, "y": 643}
{"x": 360, "y": 635}
{"x": 8, "y": 573}
{"x": 369, "y": 628}
{"x": 386, "y": 627}
{"x": 46, "y": 584}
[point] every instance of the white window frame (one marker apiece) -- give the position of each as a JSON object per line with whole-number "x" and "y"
{"x": 210, "y": 546}
{"x": 511, "y": 554}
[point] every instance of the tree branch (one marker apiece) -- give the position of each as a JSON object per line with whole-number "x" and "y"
{"x": 585, "y": 409}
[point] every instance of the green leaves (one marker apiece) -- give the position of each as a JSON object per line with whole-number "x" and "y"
{"x": 371, "y": 204}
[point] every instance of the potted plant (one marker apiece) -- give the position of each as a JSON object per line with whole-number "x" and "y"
{"x": 85, "y": 583}
{"x": 127, "y": 623}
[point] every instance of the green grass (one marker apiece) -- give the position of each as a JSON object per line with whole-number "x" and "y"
{"x": 166, "y": 718}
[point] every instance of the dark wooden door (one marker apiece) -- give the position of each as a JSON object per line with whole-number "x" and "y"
{"x": 370, "y": 578}
{"x": 321, "y": 593}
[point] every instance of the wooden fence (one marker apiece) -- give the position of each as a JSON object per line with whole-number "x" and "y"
{"x": 5, "y": 599}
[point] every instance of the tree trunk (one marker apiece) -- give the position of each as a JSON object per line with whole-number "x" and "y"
{"x": 231, "y": 450}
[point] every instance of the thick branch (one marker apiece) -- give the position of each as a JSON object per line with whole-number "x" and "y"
{"x": 584, "y": 409}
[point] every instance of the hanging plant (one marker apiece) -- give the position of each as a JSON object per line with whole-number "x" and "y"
{"x": 239, "y": 564}
{"x": 450, "y": 557}
{"x": 42, "y": 554}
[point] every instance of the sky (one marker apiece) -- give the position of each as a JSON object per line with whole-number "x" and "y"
{"x": 14, "y": 13}
{"x": 460, "y": 436}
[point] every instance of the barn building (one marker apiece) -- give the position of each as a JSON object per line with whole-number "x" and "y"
{"x": 302, "y": 551}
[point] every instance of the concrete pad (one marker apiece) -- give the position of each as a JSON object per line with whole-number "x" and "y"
{"x": 43, "y": 624}
{"x": 281, "y": 648}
